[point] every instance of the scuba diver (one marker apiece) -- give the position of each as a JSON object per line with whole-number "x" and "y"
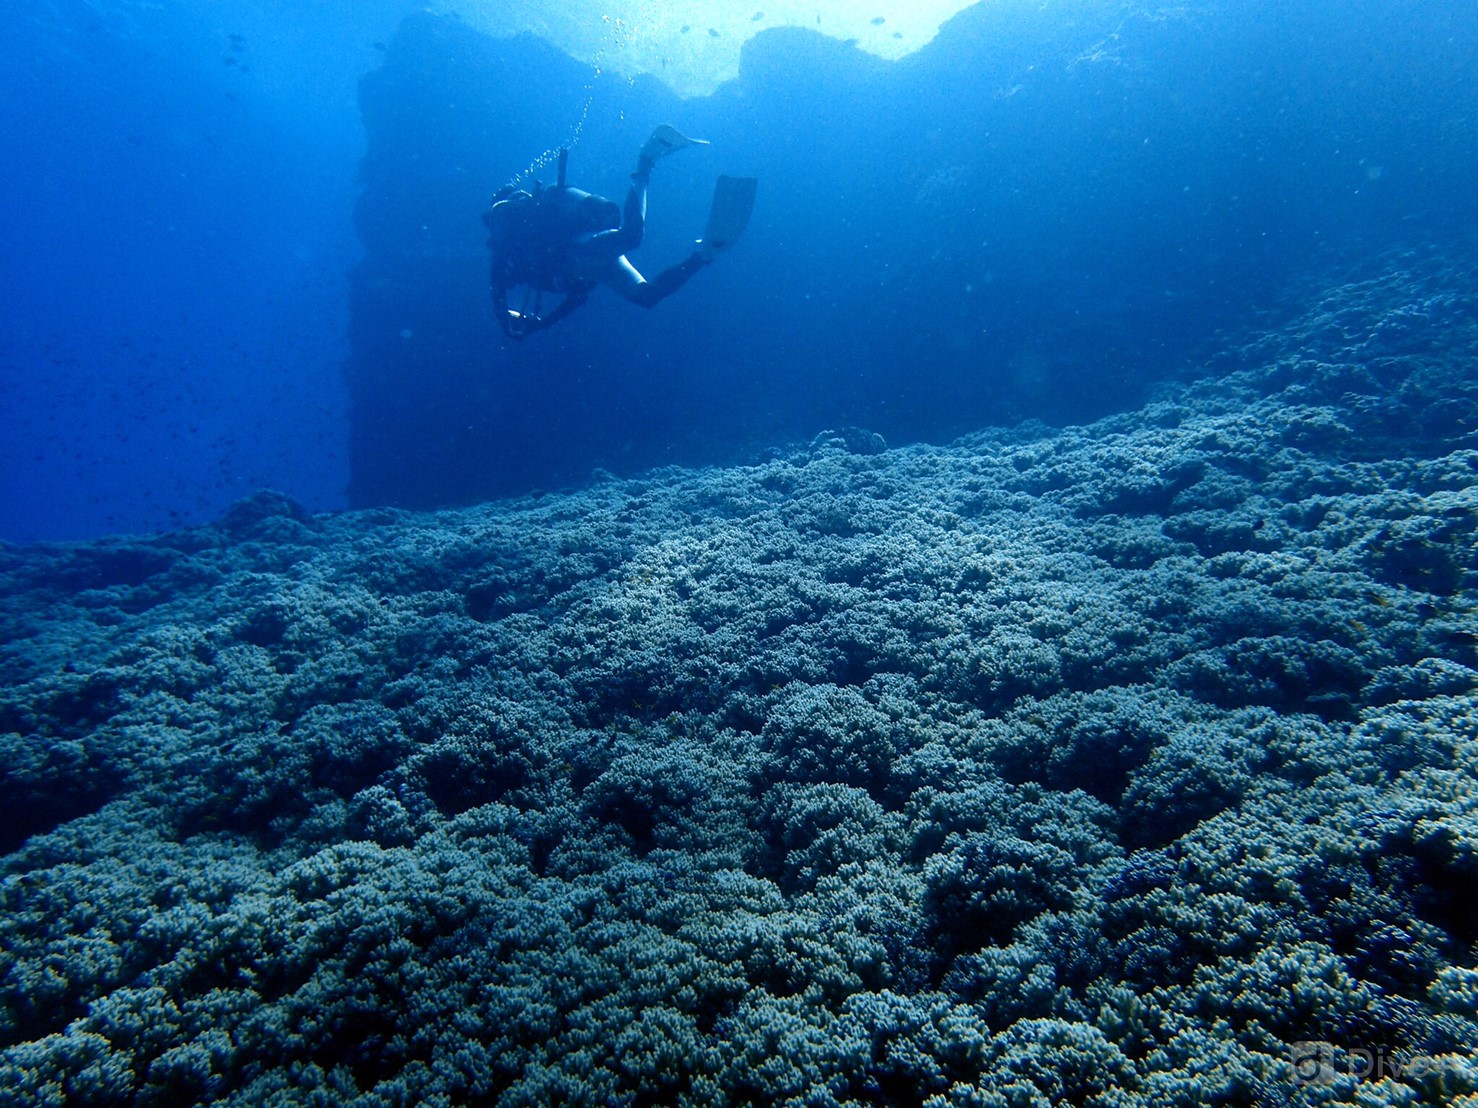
{"x": 566, "y": 241}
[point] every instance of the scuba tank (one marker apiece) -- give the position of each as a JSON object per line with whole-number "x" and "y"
{"x": 533, "y": 235}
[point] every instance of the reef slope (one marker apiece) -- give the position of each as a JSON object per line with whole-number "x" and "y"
{"x": 1128, "y": 764}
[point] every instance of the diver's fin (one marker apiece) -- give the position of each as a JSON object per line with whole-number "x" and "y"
{"x": 666, "y": 139}
{"x": 733, "y": 201}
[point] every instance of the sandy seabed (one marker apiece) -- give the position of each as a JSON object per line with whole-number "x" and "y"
{"x": 1129, "y": 764}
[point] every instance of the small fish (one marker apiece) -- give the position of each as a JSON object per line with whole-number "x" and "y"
{"x": 878, "y": 21}
{"x": 687, "y": 27}
{"x": 712, "y": 33}
{"x": 756, "y": 17}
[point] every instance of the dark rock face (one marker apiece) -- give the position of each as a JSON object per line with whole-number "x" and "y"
{"x": 1034, "y": 216}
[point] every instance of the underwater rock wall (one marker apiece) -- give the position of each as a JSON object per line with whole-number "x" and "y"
{"x": 1130, "y": 764}
{"x": 1039, "y": 215}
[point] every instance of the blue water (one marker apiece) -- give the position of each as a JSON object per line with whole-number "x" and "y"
{"x": 932, "y": 754}
{"x": 211, "y": 289}
{"x": 175, "y": 210}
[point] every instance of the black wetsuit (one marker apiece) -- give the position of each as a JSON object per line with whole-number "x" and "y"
{"x": 566, "y": 241}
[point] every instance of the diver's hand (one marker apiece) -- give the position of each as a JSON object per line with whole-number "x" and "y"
{"x": 517, "y": 325}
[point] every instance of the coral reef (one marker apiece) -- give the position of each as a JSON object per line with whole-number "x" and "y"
{"x": 1128, "y": 764}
